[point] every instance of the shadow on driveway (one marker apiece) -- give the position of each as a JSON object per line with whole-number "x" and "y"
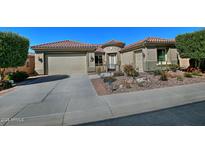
{"x": 42, "y": 79}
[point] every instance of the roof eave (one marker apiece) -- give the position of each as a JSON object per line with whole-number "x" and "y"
{"x": 63, "y": 49}
{"x": 147, "y": 44}
{"x": 133, "y": 48}
{"x": 160, "y": 44}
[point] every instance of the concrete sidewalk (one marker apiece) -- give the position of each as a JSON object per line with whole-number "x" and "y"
{"x": 125, "y": 104}
{"x": 155, "y": 99}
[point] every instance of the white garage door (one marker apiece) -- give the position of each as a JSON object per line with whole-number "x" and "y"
{"x": 66, "y": 64}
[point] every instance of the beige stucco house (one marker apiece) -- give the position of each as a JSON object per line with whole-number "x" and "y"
{"x": 68, "y": 57}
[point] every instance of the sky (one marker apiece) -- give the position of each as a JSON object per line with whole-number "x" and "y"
{"x": 98, "y": 35}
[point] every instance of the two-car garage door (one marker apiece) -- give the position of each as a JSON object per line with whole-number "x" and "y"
{"x": 66, "y": 64}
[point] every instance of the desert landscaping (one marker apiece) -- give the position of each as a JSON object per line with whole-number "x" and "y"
{"x": 130, "y": 80}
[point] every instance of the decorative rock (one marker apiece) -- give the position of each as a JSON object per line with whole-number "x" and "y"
{"x": 120, "y": 86}
{"x": 114, "y": 87}
{"x": 107, "y": 74}
{"x": 11, "y": 81}
{"x": 130, "y": 81}
{"x": 140, "y": 80}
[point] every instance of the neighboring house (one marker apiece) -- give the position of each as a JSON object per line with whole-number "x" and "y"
{"x": 67, "y": 57}
{"x": 28, "y": 67}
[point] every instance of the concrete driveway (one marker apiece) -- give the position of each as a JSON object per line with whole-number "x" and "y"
{"x": 61, "y": 100}
{"x": 52, "y": 101}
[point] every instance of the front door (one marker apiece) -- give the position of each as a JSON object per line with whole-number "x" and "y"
{"x": 112, "y": 61}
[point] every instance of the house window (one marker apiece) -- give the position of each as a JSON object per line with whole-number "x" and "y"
{"x": 98, "y": 60}
{"x": 161, "y": 55}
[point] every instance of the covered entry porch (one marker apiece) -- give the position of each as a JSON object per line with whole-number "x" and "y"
{"x": 105, "y": 62}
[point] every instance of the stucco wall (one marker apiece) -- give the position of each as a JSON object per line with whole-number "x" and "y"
{"x": 139, "y": 59}
{"x": 39, "y": 63}
{"x": 29, "y": 66}
{"x": 127, "y": 58}
{"x": 172, "y": 56}
{"x": 150, "y": 59}
{"x": 184, "y": 62}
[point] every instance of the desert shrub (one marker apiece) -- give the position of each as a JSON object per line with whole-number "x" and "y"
{"x": 157, "y": 72}
{"x": 98, "y": 70}
{"x": 180, "y": 78}
{"x": 196, "y": 73}
{"x": 163, "y": 76}
{"x": 118, "y": 73}
{"x": 173, "y": 67}
{"x": 5, "y": 84}
{"x": 192, "y": 69}
{"x": 128, "y": 85}
{"x": 188, "y": 75}
{"x": 130, "y": 71}
{"x": 140, "y": 84}
{"x": 18, "y": 76}
{"x": 171, "y": 74}
{"x": 109, "y": 79}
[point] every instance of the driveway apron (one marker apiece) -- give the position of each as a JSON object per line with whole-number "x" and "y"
{"x": 61, "y": 102}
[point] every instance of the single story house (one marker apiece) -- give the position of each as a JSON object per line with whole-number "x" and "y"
{"x": 68, "y": 57}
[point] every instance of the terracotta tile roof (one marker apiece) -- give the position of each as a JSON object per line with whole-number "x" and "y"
{"x": 114, "y": 42}
{"x": 65, "y": 44}
{"x": 147, "y": 41}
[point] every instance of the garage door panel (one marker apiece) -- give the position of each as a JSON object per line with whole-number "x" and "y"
{"x": 66, "y": 64}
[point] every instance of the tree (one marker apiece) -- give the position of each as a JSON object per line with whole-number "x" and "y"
{"x": 192, "y": 45}
{"x": 13, "y": 50}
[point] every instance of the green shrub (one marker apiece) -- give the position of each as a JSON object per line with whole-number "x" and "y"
{"x": 163, "y": 76}
{"x": 188, "y": 75}
{"x": 18, "y": 76}
{"x": 13, "y": 50}
{"x": 118, "y": 73}
{"x": 180, "y": 78}
{"x": 109, "y": 79}
{"x": 157, "y": 72}
{"x": 173, "y": 67}
{"x": 130, "y": 71}
{"x": 5, "y": 84}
